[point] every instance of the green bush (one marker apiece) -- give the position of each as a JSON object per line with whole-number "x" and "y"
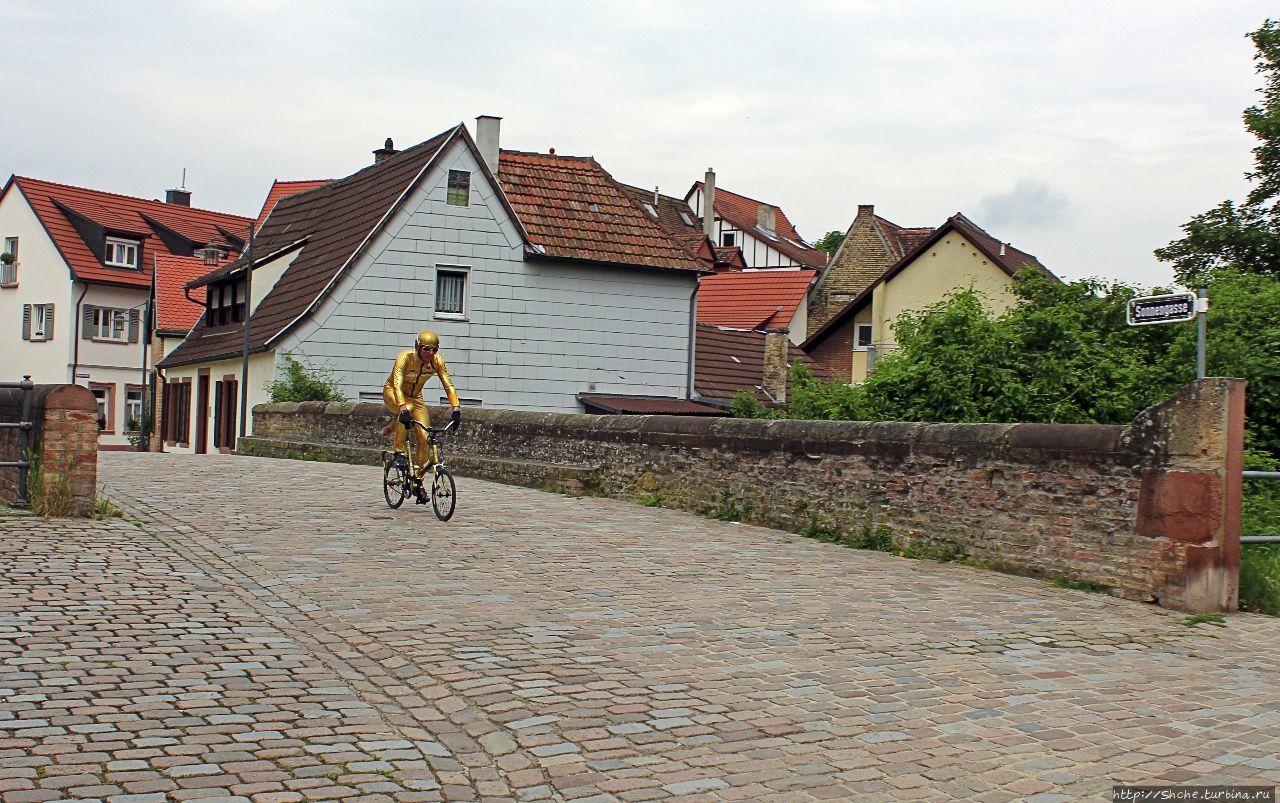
{"x": 301, "y": 382}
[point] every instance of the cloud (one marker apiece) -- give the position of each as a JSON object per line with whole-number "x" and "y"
{"x": 1031, "y": 204}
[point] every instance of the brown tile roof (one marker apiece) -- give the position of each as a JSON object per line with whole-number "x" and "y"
{"x": 744, "y": 213}
{"x": 281, "y": 190}
{"x": 645, "y": 405}
{"x": 572, "y": 208}
{"x": 164, "y": 229}
{"x": 729, "y": 360}
{"x": 753, "y": 299}
{"x": 335, "y": 219}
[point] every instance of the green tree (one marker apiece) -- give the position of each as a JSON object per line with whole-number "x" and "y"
{"x": 304, "y": 383}
{"x": 830, "y": 241}
{"x": 1245, "y": 237}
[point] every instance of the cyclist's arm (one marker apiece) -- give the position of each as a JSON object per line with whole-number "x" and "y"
{"x": 443, "y": 373}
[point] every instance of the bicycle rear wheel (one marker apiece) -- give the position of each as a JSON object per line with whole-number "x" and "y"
{"x": 395, "y": 483}
{"x": 443, "y": 494}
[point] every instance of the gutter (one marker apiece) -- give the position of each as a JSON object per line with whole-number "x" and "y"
{"x": 693, "y": 336}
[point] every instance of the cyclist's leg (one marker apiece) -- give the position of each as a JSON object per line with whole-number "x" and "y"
{"x": 398, "y": 435}
{"x": 421, "y": 446}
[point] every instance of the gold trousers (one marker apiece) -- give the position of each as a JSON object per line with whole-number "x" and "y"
{"x": 418, "y": 409}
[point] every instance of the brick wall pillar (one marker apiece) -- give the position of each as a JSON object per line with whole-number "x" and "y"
{"x": 65, "y": 440}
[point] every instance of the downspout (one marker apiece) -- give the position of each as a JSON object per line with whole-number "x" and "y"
{"x": 693, "y": 334}
{"x": 248, "y": 313}
{"x": 75, "y": 343}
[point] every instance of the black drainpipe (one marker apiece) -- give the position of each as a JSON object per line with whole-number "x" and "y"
{"x": 75, "y": 348}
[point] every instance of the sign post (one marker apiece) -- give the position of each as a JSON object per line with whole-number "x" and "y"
{"x": 1173, "y": 308}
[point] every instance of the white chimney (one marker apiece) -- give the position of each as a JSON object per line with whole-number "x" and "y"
{"x": 487, "y": 127}
{"x": 767, "y": 217}
{"x": 709, "y": 204}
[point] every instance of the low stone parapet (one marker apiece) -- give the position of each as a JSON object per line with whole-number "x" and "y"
{"x": 1149, "y": 511}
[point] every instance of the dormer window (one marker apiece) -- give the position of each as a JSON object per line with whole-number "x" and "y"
{"x": 225, "y": 303}
{"x": 122, "y": 253}
{"x": 648, "y": 207}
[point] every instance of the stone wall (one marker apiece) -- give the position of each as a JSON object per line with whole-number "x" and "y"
{"x": 65, "y": 441}
{"x": 1149, "y": 511}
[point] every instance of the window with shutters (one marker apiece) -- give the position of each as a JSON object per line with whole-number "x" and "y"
{"x": 132, "y": 408}
{"x": 111, "y": 325}
{"x": 177, "y": 412}
{"x": 104, "y": 395}
{"x": 224, "y": 413}
{"x": 37, "y": 322}
{"x": 122, "y": 253}
{"x": 451, "y": 292}
{"x": 9, "y": 263}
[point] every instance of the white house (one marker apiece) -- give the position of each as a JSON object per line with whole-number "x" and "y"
{"x": 760, "y": 230}
{"x": 543, "y": 277}
{"x": 74, "y": 296}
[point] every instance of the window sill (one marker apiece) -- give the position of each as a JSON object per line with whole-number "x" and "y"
{"x": 449, "y": 316}
{"x": 109, "y": 340}
{"x": 34, "y": 339}
{"x": 7, "y": 285}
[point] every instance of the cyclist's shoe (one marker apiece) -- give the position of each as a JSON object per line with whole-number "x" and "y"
{"x": 420, "y": 493}
{"x": 400, "y": 460}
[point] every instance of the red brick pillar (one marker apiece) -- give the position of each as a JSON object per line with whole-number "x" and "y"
{"x": 65, "y": 441}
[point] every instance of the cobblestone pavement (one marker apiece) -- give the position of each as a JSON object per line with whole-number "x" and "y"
{"x": 268, "y": 630}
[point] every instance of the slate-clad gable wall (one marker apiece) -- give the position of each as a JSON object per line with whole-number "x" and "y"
{"x": 536, "y": 333}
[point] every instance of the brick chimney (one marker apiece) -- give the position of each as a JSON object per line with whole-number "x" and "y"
{"x": 385, "y": 152}
{"x": 709, "y": 205}
{"x": 488, "y": 128}
{"x": 776, "y": 344}
{"x": 178, "y": 197}
{"x": 767, "y": 217}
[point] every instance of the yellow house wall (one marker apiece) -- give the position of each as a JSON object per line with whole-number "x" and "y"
{"x": 953, "y": 263}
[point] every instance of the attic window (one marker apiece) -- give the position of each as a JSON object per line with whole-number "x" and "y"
{"x": 688, "y": 221}
{"x": 459, "y": 192}
{"x": 648, "y": 207}
{"x": 728, "y": 239}
{"x": 225, "y": 303}
{"x": 122, "y": 253}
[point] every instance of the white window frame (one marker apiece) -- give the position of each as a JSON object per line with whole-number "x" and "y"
{"x": 456, "y": 270}
{"x": 105, "y": 318}
{"x": 857, "y": 330}
{"x": 40, "y": 312}
{"x": 119, "y": 252}
{"x": 129, "y": 405}
{"x": 728, "y": 235}
{"x": 448, "y": 190}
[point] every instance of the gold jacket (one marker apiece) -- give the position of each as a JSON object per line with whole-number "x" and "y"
{"x": 410, "y": 374}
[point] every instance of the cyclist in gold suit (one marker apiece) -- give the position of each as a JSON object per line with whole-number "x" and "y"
{"x": 403, "y": 394}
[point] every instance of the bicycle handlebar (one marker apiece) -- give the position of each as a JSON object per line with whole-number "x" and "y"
{"x": 452, "y": 425}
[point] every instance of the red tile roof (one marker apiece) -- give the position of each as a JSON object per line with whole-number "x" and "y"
{"x": 281, "y": 190}
{"x": 164, "y": 229}
{"x": 572, "y": 208}
{"x": 753, "y": 299}
{"x": 645, "y": 405}
{"x": 744, "y": 214}
{"x": 729, "y": 360}
{"x": 174, "y": 311}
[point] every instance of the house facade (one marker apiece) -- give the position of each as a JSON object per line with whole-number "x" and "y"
{"x": 76, "y": 295}
{"x": 955, "y": 256}
{"x": 759, "y": 230}
{"x": 542, "y": 276}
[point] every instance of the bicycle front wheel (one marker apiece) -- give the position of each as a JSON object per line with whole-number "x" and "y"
{"x": 443, "y": 494}
{"x": 395, "y": 483}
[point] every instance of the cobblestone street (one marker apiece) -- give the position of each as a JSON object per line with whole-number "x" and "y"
{"x": 269, "y": 630}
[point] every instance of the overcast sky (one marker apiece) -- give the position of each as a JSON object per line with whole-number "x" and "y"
{"x": 1085, "y": 133}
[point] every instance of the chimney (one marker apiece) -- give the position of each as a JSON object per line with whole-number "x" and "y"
{"x": 487, "y": 130}
{"x": 385, "y": 152}
{"x": 709, "y": 204}
{"x": 776, "y": 344}
{"x": 869, "y": 209}
{"x": 179, "y": 197}
{"x": 767, "y": 217}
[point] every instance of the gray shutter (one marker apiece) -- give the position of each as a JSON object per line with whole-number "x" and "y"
{"x": 26, "y": 321}
{"x": 86, "y": 325}
{"x": 48, "y": 322}
{"x": 133, "y": 326}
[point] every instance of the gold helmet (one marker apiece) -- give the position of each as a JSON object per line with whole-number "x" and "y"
{"x": 429, "y": 339}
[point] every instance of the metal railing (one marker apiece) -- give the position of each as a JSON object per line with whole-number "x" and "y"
{"x": 25, "y": 425}
{"x": 1261, "y": 539}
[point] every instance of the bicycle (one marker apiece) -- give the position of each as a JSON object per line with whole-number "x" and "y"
{"x": 399, "y": 482}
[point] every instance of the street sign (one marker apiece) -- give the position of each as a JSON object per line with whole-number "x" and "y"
{"x": 1162, "y": 309}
